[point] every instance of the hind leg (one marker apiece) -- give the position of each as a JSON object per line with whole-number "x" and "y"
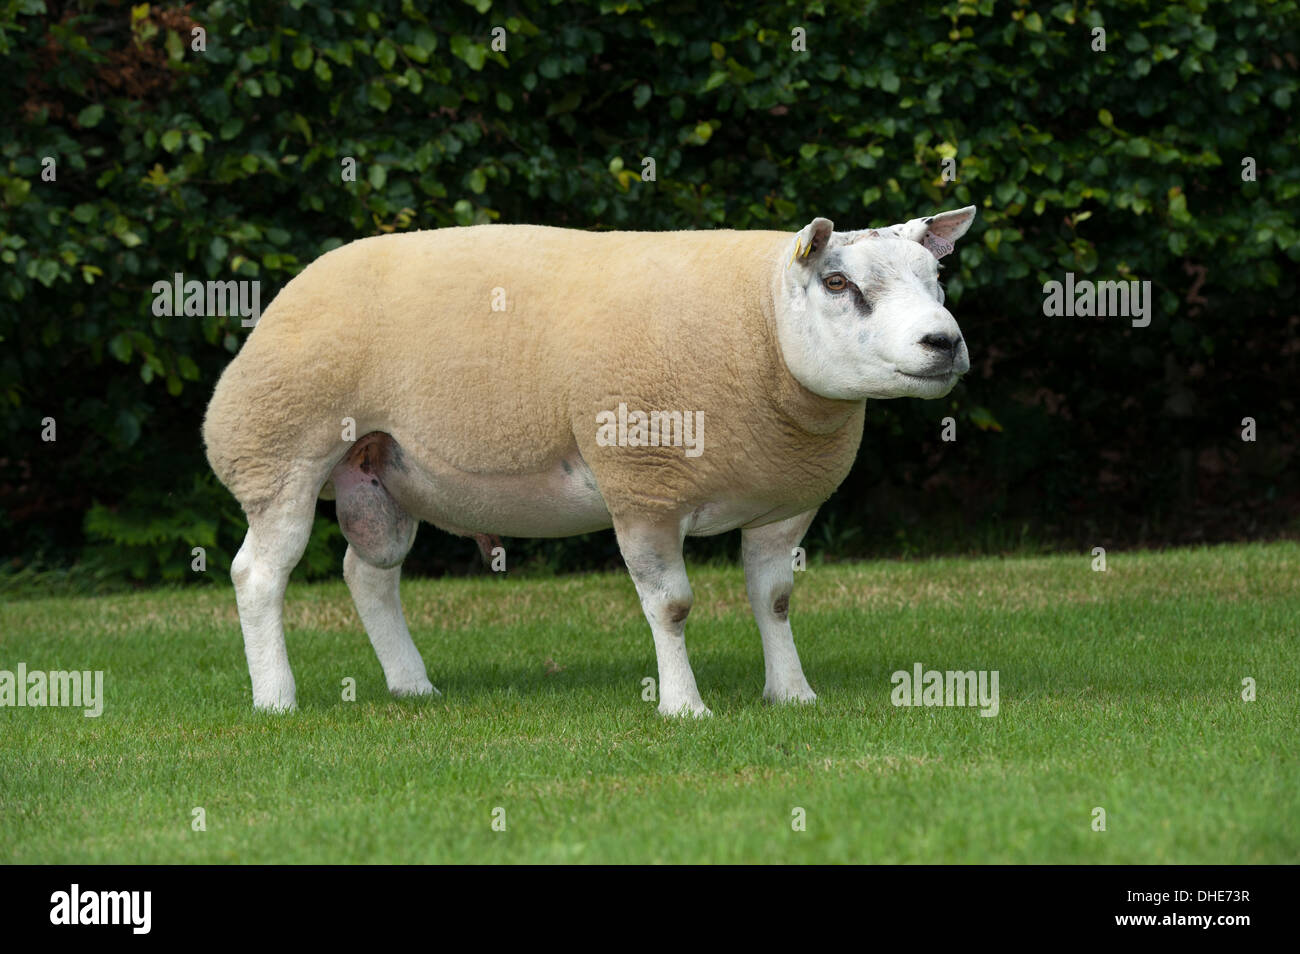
{"x": 379, "y": 534}
{"x": 379, "y": 604}
{"x": 277, "y": 536}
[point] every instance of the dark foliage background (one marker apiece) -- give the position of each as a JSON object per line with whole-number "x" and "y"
{"x": 1071, "y": 432}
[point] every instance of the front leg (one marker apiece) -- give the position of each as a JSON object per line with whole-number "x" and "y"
{"x": 652, "y": 550}
{"x": 769, "y": 579}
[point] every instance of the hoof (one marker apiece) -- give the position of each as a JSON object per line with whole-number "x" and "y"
{"x": 277, "y": 707}
{"x": 279, "y": 699}
{"x": 802, "y": 695}
{"x": 422, "y": 688}
{"x": 697, "y": 710}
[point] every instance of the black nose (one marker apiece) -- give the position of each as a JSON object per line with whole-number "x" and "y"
{"x": 941, "y": 343}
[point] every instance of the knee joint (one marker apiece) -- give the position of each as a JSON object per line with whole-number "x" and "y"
{"x": 781, "y": 606}
{"x": 671, "y": 608}
{"x": 677, "y": 612}
{"x": 241, "y": 569}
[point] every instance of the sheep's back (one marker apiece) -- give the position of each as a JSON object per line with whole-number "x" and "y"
{"x": 492, "y": 347}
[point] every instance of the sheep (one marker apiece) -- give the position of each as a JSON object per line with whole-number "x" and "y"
{"x": 499, "y": 380}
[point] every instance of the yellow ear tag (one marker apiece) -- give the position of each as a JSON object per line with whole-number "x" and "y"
{"x": 808, "y": 250}
{"x": 798, "y": 247}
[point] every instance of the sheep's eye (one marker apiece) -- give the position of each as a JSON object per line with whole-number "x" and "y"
{"x": 835, "y": 282}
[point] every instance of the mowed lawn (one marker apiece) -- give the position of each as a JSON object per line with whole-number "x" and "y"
{"x": 1119, "y": 690}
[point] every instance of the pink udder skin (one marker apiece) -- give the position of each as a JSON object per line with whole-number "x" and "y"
{"x": 348, "y": 476}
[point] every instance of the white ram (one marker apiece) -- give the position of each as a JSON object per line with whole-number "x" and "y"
{"x": 538, "y": 382}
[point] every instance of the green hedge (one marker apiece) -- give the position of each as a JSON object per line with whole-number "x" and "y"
{"x": 226, "y": 163}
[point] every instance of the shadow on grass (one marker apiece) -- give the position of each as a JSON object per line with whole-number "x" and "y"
{"x": 738, "y": 677}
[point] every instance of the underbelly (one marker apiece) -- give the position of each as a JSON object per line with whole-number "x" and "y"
{"x": 559, "y": 501}
{"x": 713, "y": 518}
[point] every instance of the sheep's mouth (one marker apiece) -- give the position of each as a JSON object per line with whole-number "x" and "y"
{"x": 928, "y": 386}
{"x": 941, "y": 378}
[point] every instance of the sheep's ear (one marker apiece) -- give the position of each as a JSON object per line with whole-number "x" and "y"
{"x": 811, "y": 240}
{"x": 947, "y": 227}
{"x": 939, "y": 233}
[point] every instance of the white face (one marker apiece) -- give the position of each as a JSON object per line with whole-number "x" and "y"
{"x": 861, "y": 315}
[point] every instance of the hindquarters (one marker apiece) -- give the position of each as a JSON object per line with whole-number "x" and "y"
{"x": 268, "y": 432}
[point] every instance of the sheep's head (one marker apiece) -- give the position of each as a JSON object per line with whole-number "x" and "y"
{"x": 861, "y": 315}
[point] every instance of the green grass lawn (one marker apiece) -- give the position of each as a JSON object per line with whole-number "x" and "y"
{"x": 1120, "y": 690}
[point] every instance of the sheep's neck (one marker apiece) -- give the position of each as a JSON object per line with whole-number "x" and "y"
{"x": 807, "y": 411}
